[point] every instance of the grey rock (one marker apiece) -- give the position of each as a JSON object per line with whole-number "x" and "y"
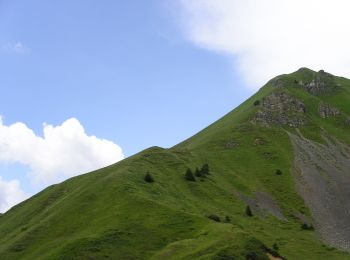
{"x": 231, "y": 144}
{"x": 316, "y": 87}
{"x": 279, "y": 108}
{"x": 327, "y": 110}
{"x": 281, "y": 101}
{"x": 322, "y": 83}
{"x": 259, "y": 141}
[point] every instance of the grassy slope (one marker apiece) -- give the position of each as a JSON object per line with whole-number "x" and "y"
{"x": 113, "y": 213}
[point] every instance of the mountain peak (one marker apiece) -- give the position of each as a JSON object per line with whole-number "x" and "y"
{"x": 315, "y": 83}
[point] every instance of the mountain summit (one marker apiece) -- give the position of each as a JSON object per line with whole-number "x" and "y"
{"x": 270, "y": 180}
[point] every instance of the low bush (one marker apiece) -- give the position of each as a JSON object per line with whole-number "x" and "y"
{"x": 148, "y": 178}
{"x": 278, "y": 172}
{"x": 306, "y": 226}
{"x": 214, "y": 217}
{"x": 275, "y": 246}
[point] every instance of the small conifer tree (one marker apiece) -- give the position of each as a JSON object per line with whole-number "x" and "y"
{"x": 189, "y": 175}
{"x": 248, "y": 211}
{"x": 205, "y": 169}
{"x": 214, "y": 217}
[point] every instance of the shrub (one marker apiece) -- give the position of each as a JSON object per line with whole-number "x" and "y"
{"x": 248, "y": 211}
{"x": 278, "y": 172}
{"x": 189, "y": 175}
{"x": 257, "y": 102}
{"x": 275, "y": 246}
{"x": 214, "y": 217}
{"x": 148, "y": 178}
{"x": 227, "y": 219}
{"x": 306, "y": 226}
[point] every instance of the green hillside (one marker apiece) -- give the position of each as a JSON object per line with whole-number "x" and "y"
{"x": 256, "y": 201}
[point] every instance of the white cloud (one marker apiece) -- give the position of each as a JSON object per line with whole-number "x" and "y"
{"x": 269, "y": 37}
{"x": 63, "y": 151}
{"x": 10, "y": 194}
{"x": 17, "y": 47}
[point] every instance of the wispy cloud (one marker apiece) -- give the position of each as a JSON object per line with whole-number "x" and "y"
{"x": 269, "y": 37}
{"x": 17, "y": 47}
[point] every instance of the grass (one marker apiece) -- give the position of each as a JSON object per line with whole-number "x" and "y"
{"x": 113, "y": 213}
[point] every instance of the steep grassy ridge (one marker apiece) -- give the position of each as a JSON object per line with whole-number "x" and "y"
{"x": 113, "y": 213}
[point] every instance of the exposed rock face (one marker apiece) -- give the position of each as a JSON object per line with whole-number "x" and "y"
{"x": 279, "y": 108}
{"x": 262, "y": 204}
{"x": 326, "y": 110}
{"x": 280, "y": 101}
{"x": 316, "y": 87}
{"x": 347, "y": 122}
{"x": 323, "y": 179}
{"x": 322, "y": 83}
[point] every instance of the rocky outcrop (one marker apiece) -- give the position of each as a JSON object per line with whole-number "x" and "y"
{"x": 279, "y": 108}
{"x": 347, "y": 122}
{"x": 315, "y": 87}
{"x": 327, "y": 110}
{"x": 321, "y": 83}
{"x": 281, "y": 101}
{"x": 232, "y": 144}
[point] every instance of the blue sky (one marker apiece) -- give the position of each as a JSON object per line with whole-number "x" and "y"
{"x": 85, "y": 83}
{"x": 124, "y": 69}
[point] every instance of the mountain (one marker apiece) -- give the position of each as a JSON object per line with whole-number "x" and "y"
{"x": 272, "y": 182}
